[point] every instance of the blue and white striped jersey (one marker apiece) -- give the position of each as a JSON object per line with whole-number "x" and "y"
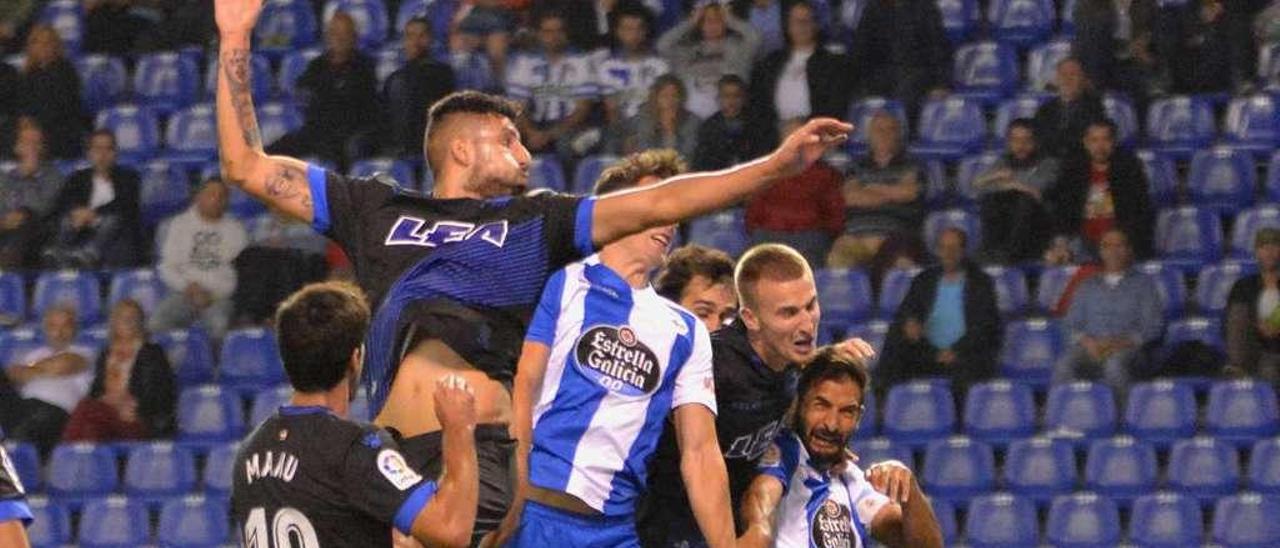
{"x": 819, "y": 510}
{"x": 621, "y": 359}
{"x": 551, "y": 88}
{"x": 628, "y": 80}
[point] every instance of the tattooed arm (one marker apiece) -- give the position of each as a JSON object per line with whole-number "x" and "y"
{"x": 278, "y": 181}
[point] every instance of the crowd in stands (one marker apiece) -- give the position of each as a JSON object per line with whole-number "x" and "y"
{"x": 1040, "y": 191}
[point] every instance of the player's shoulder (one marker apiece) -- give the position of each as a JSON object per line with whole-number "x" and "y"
{"x": 694, "y": 327}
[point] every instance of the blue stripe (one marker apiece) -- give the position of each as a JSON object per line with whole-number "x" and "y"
{"x": 319, "y": 198}
{"x": 818, "y": 488}
{"x": 295, "y": 410}
{"x": 853, "y": 514}
{"x": 789, "y": 447}
{"x": 412, "y": 506}
{"x": 582, "y": 226}
{"x": 15, "y": 509}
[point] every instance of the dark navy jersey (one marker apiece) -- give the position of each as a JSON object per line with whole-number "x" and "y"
{"x": 467, "y": 272}
{"x": 13, "y": 499}
{"x": 752, "y": 399}
{"x": 305, "y": 477}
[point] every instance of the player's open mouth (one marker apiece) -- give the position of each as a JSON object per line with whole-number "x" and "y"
{"x": 804, "y": 346}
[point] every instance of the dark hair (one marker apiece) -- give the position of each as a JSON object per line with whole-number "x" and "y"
{"x": 1106, "y": 123}
{"x": 318, "y": 328}
{"x": 829, "y": 365}
{"x": 548, "y": 13}
{"x": 774, "y": 261}
{"x": 1024, "y": 123}
{"x": 466, "y": 102}
{"x": 661, "y": 163}
{"x": 731, "y": 79}
{"x": 419, "y": 20}
{"x": 102, "y": 132}
{"x": 960, "y": 232}
{"x": 631, "y": 8}
{"x": 690, "y": 261}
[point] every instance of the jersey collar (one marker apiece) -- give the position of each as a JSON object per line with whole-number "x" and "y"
{"x": 297, "y": 410}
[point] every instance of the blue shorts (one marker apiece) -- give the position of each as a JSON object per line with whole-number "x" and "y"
{"x": 542, "y": 526}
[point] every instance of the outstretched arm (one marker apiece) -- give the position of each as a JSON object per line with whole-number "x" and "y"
{"x": 278, "y": 181}
{"x": 702, "y": 466}
{"x": 687, "y": 196}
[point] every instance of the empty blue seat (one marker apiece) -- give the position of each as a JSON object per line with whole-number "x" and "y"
{"x": 218, "y": 469}
{"x": 1042, "y": 63}
{"x": 893, "y": 288}
{"x": 950, "y": 128}
{"x": 103, "y": 81}
{"x": 1161, "y": 411}
{"x": 1166, "y": 520}
{"x": 142, "y": 285}
{"x": 959, "y": 18}
{"x": 1213, "y": 286}
{"x": 192, "y": 135}
{"x": 860, "y": 114}
{"x": 1011, "y": 289}
{"x": 1001, "y": 520}
{"x": 16, "y": 343}
{"x": 546, "y": 172}
{"x": 51, "y": 524}
{"x": 726, "y": 231}
{"x": 267, "y": 401}
{"x": 291, "y": 68}
{"x": 873, "y": 450}
{"x": 1039, "y": 469}
{"x": 1171, "y": 286}
{"x": 1247, "y": 520}
{"x": 1119, "y": 109}
{"x": 189, "y": 354}
{"x": 1189, "y": 236}
{"x": 208, "y": 415}
{"x": 1204, "y": 468}
{"x": 1121, "y": 468}
{"x": 1205, "y": 330}
{"x": 946, "y": 514}
{"x": 1053, "y": 282}
{"x": 277, "y": 119}
{"x": 1162, "y": 178}
{"x": 845, "y": 296}
{"x": 370, "y": 17}
{"x": 1273, "y": 178}
{"x": 136, "y": 130}
{"x": 874, "y": 332}
{"x": 1180, "y": 125}
{"x": 68, "y": 18}
{"x": 1246, "y": 227}
{"x": 26, "y": 463}
{"x": 1021, "y": 22}
{"x": 285, "y": 26}
{"x": 1241, "y": 411}
{"x": 589, "y": 169}
{"x": 114, "y": 521}
{"x": 399, "y": 170}
{"x": 999, "y": 411}
{"x": 968, "y": 222}
{"x": 68, "y": 288}
{"x": 259, "y": 83}
{"x": 1250, "y": 123}
{"x": 919, "y": 411}
{"x": 1083, "y": 520}
{"x": 1222, "y": 179}
{"x": 81, "y": 470}
{"x": 250, "y": 359}
{"x": 969, "y": 169}
{"x": 165, "y": 191}
{"x": 194, "y": 520}
{"x": 13, "y": 297}
{"x": 958, "y": 468}
{"x": 1030, "y": 349}
{"x": 155, "y": 471}
{"x": 985, "y": 71}
{"x": 1264, "y": 466}
{"x": 166, "y": 81}
{"x": 1022, "y": 106}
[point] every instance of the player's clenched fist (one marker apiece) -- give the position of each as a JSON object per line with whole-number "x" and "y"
{"x": 236, "y": 15}
{"x": 892, "y": 479}
{"x": 455, "y": 402}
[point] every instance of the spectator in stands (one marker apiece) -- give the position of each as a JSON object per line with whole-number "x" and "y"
{"x": 733, "y": 134}
{"x": 1113, "y": 315}
{"x": 114, "y": 26}
{"x": 49, "y": 91}
{"x": 948, "y": 324}
{"x": 557, "y": 87}
{"x": 487, "y": 25}
{"x": 700, "y": 279}
{"x": 413, "y": 88}
{"x": 276, "y": 230}
{"x": 276, "y": 239}
{"x": 27, "y": 193}
{"x": 1202, "y": 55}
{"x": 1060, "y": 122}
{"x": 1014, "y": 220}
{"x": 39, "y": 389}
{"x": 196, "y": 263}
{"x": 590, "y": 24}
{"x": 13, "y": 15}
{"x": 97, "y": 218}
{"x": 133, "y": 392}
{"x": 708, "y": 45}
{"x": 883, "y": 196}
{"x": 8, "y": 100}
{"x": 471, "y": 67}
{"x": 626, "y": 72}
{"x": 1253, "y": 314}
{"x": 803, "y": 79}
{"x": 900, "y": 50}
{"x": 768, "y": 17}
{"x": 339, "y": 91}
{"x": 1116, "y": 42}
{"x": 1100, "y": 189}
{"x": 663, "y": 122}
{"x": 805, "y": 212}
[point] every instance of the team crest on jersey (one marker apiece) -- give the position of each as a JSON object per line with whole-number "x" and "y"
{"x": 618, "y": 360}
{"x": 414, "y": 231}
{"x": 393, "y": 467}
{"x": 832, "y": 526}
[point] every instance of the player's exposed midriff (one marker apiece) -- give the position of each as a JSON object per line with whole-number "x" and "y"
{"x": 410, "y": 407}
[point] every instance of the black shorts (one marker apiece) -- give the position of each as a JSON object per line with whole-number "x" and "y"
{"x": 495, "y": 453}
{"x": 487, "y": 340}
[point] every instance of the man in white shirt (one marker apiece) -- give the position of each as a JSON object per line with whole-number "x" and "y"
{"x": 556, "y": 85}
{"x": 626, "y": 73}
{"x": 40, "y": 388}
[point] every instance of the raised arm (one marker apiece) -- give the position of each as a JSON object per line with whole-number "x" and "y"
{"x": 688, "y": 196}
{"x": 758, "y": 507}
{"x": 703, "y": 470}
{"x": 278, "y": 181}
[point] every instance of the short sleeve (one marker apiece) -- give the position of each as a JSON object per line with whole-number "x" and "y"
{"x": 339, "y": 204}
{"x": 779, "y": 461}
{"x": 542, "y": 329}
{"x": 381, "y": 483}
{"x": 568, "y": 226}
{"x": 695, "y": 384}
{"x": 867, "y": 502}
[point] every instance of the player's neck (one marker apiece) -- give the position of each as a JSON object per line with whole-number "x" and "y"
{"x": 334, "y": 400}
{"x": 450, "y": 187}
{"x": 772, "y": 360}
{"x": 629, "y": 268}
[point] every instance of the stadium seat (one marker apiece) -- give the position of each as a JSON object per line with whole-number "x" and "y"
{"x": 874, "y": 332}
{"x": 250, "y": 359}
{"x": 958, "y": 468}
{"x": 157, "y": 471}
{"x": 919, "y": 411}
{"x": 260, "y": 83}
{"x": 1166, "y": 520}
{"x": 1021, "y": 22}
{"x": 1083, "y": 520}
{"x": 1246, "y": 227}
{"x": 547, "y": 172}
{"x": 216, "y": 476}
{"x": 114, "y": 521}
{"x": 589, "y": 169}
{"x": 1247, "y": 520}
{"x": 968, "y": 171}
{"x": 997, "y": 412}
{"x": 1039, "y": 469}
{"x": 1180, "y": 125}
{"x": 13, "y": 298}
{"x": 946, "y": 514}
{"x": 189, "y": 354}
{"x": 873, "y": 450}
{"x": 1121, "y": 468}
{"x": 893, "y": 288}
{"x": 950, "y": 128}
{"x": 1022, "y": 106}
{"x": 1053, "y": 282}
{"x": 192, "y": 136}
{"x": 136, "y": 130}
{"x": 1273, "y": 178}
{"x": 267, "y": 401}
{"x": 16, "y": 343}
{"x": 78, "y": 471}
{"x": 845, "y": 296}
{"x": 1242, "y": 411}
{"x": 1189, "y": 236}
{"x": 165, "y": 191}
{"x": 1264, "y": 466}
{"x": 1161, "y": 411}
{"x": 400, "y": 170}
{"x": 1204, "y": 468}
{"x": 1011, "y": 289}
{"x": 103, "y": 81}
{"x": 985, "y": 71}
{"x": 285, "y": 26}
{"x": 860, "y": 114}
{"x": 1030, "y": 349}
{"x": 208, "y": 415}
{"x": 1042, "y": 63}
{"x": 142, "y": 285}
{"x": 960, "y": 18}
{"x": 1162, "y": 178}
{"x": 291, "y": 68}
{"x": 26, "y": 463}
{"x": 76, "y": 288}
{"x": 1250, "y": 124}
{"x": 196, "y": 521}
{"x": 1171, "y": 284}
{"x": 1119, "y": 109}
{"x": 1206, "y": 330}
{"x": 1001, "y": 520}
{"x": 68, "y": 18}
{"x": 1213, "y": 285}
{"x": 370, "y": 17}
{"x": 277, "y": 119}
{"x": 726, "y": 231}
{"x": 1222, "y": 179}
{"x": 51, "y": 523}
{"x": 166, "y": 81}
{"x": 935, "y": 222}
{"x": 409, "y": 9}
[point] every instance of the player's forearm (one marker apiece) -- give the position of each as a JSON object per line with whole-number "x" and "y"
{"x": 704, "y": 472}
{"x": 757, "y": 515}
{"x": 13, "y": 534}
{"x": 451, "y": 514}
{"x": 919, "y": 526}
{"x": 239, "y": 142}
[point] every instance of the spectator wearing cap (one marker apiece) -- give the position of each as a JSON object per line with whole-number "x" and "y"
{"x": 1253, "y": 314}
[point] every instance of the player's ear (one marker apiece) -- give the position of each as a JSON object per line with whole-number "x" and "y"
{"x": 749, "y": 318}
{"x": 461, "y": 152}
